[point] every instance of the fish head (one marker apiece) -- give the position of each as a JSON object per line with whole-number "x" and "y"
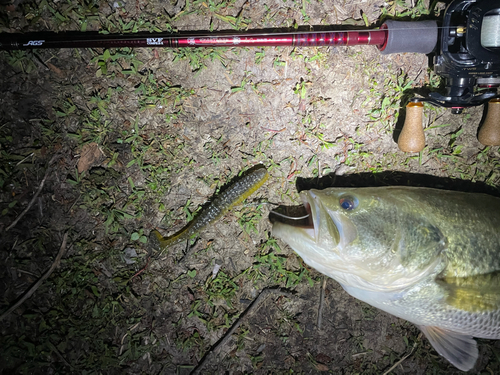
{"x": 373, "y": 238}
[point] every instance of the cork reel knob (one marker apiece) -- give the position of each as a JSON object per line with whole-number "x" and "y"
{"x": 412, "y": 138}
{"x": 489, "y": 133}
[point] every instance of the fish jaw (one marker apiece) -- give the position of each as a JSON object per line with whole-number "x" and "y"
{"x": 320, "y": 243}
{"x": 315, "y": 242}
{"x": 302, "y": 241}
{"x": 328, "y": 223}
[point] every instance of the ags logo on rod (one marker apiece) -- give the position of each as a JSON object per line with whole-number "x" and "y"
{"x": 34, "y": 43}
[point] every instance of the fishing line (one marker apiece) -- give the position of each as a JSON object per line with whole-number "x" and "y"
{"x": 290, "y": 217}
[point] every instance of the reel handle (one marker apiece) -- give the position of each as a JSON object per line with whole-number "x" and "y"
{"x": 412, "y": 138}
{"x": 489, "y": 134}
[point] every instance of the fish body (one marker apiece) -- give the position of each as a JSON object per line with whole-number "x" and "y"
{"x": 429, "y": 256}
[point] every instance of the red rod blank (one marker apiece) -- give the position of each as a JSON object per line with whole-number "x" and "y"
{"x": 93, "y": 40}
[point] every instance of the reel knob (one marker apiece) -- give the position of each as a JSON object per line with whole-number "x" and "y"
{"x": 489, "y": 133}
{"x": 412, "y": 138}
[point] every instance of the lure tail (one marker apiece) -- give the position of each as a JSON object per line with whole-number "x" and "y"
{"x": 160, "y": 242}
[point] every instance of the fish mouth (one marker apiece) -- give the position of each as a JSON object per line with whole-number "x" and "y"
{"x": 305, "y": 217}
{"x": 295, "y": 216}
{"x": 315, "y": 220}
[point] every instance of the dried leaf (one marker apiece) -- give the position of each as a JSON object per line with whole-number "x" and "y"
{"x": 89, "y": 156}
{"x": 321, "y": 367}
{"x": 56, "y": 70}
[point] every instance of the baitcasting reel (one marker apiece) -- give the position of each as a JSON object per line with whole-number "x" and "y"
{"x": 469, "y": 60}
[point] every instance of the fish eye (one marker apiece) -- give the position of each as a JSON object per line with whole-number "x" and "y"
{"x": 348, "y": 203}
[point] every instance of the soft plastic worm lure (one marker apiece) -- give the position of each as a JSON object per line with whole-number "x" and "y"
{"x": 229, "y": 198}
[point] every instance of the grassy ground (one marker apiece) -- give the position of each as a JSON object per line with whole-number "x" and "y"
{"x": 127, "y": 141}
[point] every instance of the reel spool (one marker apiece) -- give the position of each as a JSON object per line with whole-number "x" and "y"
{"x": 490, "y": 31}
{"x": 469, "y": 60}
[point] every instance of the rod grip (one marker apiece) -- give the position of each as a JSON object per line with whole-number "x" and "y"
{"x": 412, "y": 138}
{"x": 489, "y": 133}
{"x": 412, "y": 36}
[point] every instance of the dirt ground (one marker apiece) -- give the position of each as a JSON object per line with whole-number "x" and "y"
{"x": 125, "y": 141}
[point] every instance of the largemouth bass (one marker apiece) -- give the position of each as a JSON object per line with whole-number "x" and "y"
{"x": 429, "y": 256}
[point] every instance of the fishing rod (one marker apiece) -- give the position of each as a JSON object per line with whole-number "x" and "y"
{"x": 466, "y": 48}
{"x": 251, "y": 39}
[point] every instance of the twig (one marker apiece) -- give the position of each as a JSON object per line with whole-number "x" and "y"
{"x": 321, "y": 302}
{"x": 27, "y": 157}
{"x": 184, "y": 253}
{"x": 122, "y": 345}
{"x": 253, "y": 306}
{"x": 54, "y": 348}
{"x": 142, "y": 270}
{"x": 355, "y": 355}
{"x": 402, "y": 359}
{"x": 32, "y": 290}
{"x": 73, "y": 205}
{"x": 34, "y": 196}
{"x": 273, "y": 130}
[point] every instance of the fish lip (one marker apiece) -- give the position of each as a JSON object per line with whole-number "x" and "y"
{"x": 337, "y": 221}
{"x": 299, "y": 216}
{"x": 308, "y": 216}
{"x": 310, "y": 202}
